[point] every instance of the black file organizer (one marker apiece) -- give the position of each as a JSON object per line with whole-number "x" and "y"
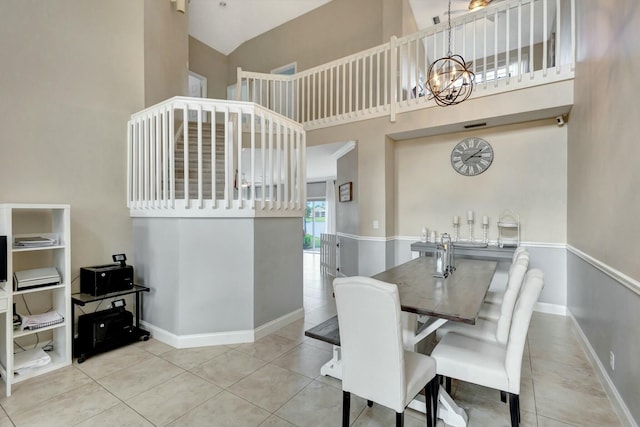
{"x": 80, "y": 349}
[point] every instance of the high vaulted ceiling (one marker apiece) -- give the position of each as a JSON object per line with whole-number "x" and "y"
{"x": 226, "y": 24}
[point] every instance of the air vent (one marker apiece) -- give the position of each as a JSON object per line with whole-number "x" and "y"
{"x": 436, "y": 20}
{"x": 475, "y": 125}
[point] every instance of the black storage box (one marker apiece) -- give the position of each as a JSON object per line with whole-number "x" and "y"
{"x": 104, "y": 330}
{"x": 103, "y": 279}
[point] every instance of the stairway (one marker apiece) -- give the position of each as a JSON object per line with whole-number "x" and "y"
{"x": 206, "y": 162}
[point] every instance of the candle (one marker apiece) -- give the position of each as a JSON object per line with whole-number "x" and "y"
{"x": 433, "y": 236}
{"x": 470, "y": 216}
{"x": 423, "y": 234}
{"x": 456, "y": 220}
{"x": 485, "y": 220}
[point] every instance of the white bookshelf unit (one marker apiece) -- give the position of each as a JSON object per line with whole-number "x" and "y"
{"x": 47, "y": 221}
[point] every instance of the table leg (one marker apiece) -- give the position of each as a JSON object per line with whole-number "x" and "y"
{"x": 448, "y": 410}
{"x": 333, "y": 367}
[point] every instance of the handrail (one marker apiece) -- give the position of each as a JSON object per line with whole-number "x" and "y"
{"x": 511, "y": 45}
{"x": 173, "y": 166}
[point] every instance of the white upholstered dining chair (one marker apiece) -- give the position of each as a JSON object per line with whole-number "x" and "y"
{"x": 491, "y": 364}
{"x": 496, "y": 296}
{"x": 374, "y": 364}
{"x": 494, "y": 329}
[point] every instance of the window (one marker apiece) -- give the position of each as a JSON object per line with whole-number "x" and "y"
{"x": 314, "y": 224}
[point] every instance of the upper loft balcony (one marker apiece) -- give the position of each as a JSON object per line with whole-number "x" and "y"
{"x": 513, "y": 45}
{"x": 246, "y": 158}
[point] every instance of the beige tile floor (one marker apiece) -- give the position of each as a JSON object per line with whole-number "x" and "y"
{"x": 275, "y": 382}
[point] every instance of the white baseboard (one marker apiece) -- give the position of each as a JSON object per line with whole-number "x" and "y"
{"x": 274, "y": 325}
{"x": 221, "y": 338}
{"x": 543, "y": 307}
{"x": 610, "y": 388}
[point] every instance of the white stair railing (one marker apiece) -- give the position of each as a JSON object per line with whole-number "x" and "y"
{"x": 175, "y": 167}
{"x": 511, "y": 45}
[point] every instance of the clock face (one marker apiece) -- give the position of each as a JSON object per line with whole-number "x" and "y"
{"x": 471, "y": 156}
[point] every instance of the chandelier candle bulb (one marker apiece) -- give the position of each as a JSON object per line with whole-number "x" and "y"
{"x": 423, "y": 235}
{"x": 470, "y": 216}
{"x": 456, "y": 220}
{"x": 485, "y": 220}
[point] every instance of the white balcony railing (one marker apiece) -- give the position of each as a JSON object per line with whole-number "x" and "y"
{"x": 511, "y": 45}
{"x": 204, "y": 157}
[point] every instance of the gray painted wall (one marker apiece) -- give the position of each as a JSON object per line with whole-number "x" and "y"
{"x": 211, "y": 275}
{"x": 603, "y": 202}
{"x": 609, "y": 315}
{"x": 278, "y": 268}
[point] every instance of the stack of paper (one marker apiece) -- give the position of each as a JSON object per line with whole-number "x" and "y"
{"x": 37, "y": 321}
{"x": 27, "y": 360}
{"x": 34, "y": 241}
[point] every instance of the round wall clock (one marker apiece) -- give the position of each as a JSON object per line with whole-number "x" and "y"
{"x": 471, "y": 156}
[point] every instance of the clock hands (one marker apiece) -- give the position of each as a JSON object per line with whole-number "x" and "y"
{"x": 473, "y": 155}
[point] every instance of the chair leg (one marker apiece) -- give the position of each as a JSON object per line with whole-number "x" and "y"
{"x": 346, "y": 406}
{"x": 399, "y": 419}
{"x": 514, "y": 409}
{"x": 435, "y": 398}
{"x": 447, "y": 386}
{"x": 428, "y": 389}
{"x": 503, "y": 397}
{"x": 369, "y": 403}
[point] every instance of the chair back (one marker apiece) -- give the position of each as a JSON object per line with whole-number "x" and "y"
{"x": 533, "y": 284}
{"x": 519, "y": 250}
{"x": 514, "y": 283}
{"x": 369, "y": 316}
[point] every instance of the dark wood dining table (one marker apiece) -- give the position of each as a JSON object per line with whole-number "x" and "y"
{"x": 457, "y": 297}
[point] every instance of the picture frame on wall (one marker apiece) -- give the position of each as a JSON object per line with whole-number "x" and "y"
{"x": 345, "y": 191}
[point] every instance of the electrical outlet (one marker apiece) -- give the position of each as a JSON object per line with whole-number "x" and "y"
{"x": 376, "y": 224}
{"x": 612, "y": 360}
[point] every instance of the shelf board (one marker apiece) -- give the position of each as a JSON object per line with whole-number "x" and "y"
{"x": 35, "y": 248}
{"x": 57, "y": 361}
{"x": 18, "y": 334}
{"x": 40, "y": 289}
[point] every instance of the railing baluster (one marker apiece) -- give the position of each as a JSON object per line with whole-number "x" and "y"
{"x": 253, "y": 159}
{"x": 520, "y": 71}
{"x": 278, "y": 177}
{"x": 545, "y": 46}
{"x": 145, "y": 193}
{"x": 495, "y": 48}
{"x": 507, "y": 63}
{"x": 531, "y": 32}
{"x": 214, "y": 166}
{"x": 325, "y": 86}
{"x": 172, "y": 156}
{"x": 263, "y": 159}
{"x": 573, "y": 35}
{"x": 314, "y": 98}
{"x": 129, "y": 161}
{"x": 558, "y": 36}
{"x": 227, "y": 153}
{"x": 200, "y": 177}
{"x": 350, "y": 87}
{"x": 484, "y": 59}
{"x": 185, "y": 140}
{"x": 270, "y": 175}
{"x": 239, "y": 167}
{"x": 331, "y": 89}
